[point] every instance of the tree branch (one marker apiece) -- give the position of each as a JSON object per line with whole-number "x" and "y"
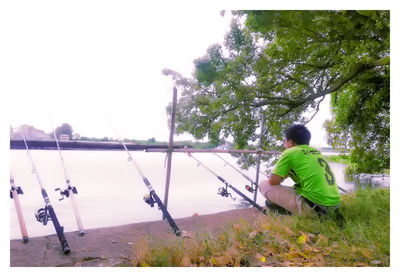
{"x": 295, "y": 102}
{"x": 316, "y": 110}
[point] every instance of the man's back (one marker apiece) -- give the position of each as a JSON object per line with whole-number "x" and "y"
{"x": 311, "y": 172}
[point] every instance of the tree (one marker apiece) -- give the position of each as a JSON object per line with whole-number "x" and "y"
{"x": 65, "y": 128}
{"x": 282, "y": 64}
{"x": 361, "y": 123}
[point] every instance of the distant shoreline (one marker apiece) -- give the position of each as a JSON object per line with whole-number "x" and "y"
{"x": 117, "y": 146}
{"x": 82, "y": 145}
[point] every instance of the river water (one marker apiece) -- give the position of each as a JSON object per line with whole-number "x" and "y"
{"x": 110, "y": 190}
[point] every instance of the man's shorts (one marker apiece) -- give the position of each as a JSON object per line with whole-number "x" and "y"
{"x": 286, "y": 197}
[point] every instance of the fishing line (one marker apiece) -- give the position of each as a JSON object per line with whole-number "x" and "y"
{"x": 247, "y": 187}
{"x": 47, "y": 213}
{"x": 223, "y": 191}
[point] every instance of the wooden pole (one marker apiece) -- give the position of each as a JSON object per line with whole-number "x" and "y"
{"x": 232, "y": 151}
{"x": 170, "y": 148}
{"x": 259, "y": 156}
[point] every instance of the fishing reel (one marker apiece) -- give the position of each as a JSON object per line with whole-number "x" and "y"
{"x": 249, "y": 188}
{"x": 66, "y": 192}
{"x": 17, "y": 189}
{"x": 224, "y": 192}
{"x": 148, "y": 198}
{"x": 43, "y": 215}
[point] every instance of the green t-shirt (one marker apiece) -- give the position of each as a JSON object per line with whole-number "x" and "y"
{"x": 312, "y": 174}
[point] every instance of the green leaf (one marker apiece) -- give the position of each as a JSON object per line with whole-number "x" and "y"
{"x": 302, "y": 239}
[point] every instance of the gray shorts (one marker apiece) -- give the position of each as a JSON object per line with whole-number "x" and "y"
{"x": 286, "y": 197}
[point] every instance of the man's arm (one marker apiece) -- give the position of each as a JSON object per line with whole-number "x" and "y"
{"x": 274, "y": 179}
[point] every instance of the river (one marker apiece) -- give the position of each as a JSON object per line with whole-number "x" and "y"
{"x": 110, "y": 190}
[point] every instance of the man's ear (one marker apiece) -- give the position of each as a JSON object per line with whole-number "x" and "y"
{"x": 293, "y": 143}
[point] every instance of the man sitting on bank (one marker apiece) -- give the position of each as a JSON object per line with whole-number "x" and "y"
{"x": 315, "y": 188}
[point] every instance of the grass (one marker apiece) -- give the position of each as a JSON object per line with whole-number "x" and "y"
{"x": 344, "y": 159}
{"x": 277, "y": 240}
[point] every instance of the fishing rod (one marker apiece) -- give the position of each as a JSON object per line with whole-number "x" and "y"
{"x": 247, "y": 187}
{"x": 47, "y": 213}
{"x": 70, "y": 190}
{"x": 151, "y": 198}
{"x": 223, "y": 191}
{"x": 14, "y": 195}
{"x": 262, "y": 173}
{"x": 251, "y": 189}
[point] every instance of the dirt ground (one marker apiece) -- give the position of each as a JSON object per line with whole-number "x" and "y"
{"x": 113, "y": 246}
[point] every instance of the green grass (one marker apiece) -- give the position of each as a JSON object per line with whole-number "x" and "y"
{"x": 344, "y": 159}
{"x": 277, "y": 240}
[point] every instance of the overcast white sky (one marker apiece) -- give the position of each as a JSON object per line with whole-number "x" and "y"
{"x": 84, "y": 60}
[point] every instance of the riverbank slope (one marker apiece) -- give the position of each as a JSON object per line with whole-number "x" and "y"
{"x": 113, "y": 246}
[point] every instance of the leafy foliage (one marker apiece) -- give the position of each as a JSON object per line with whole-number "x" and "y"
{"x": 283, "y": 64}
{"x": 362, "y": 123}
{"x": 65, "y": 128}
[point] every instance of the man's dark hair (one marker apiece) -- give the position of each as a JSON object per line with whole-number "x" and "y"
{"x": 298, "y": 133}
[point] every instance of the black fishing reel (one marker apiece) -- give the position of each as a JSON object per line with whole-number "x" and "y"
{"x": 17, "y": 189}
{"x": 148, "y": 198}
{"x": 224, "y": 192}
{"x": 66, "y": 192}
{"x": 43, "y": 215}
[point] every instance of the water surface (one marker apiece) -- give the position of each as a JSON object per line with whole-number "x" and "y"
{"x": 110, "y": 190}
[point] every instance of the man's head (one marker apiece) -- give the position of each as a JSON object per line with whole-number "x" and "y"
{"x": 296, "y": 135}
